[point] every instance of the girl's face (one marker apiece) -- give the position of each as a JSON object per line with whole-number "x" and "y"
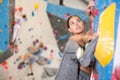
{"x": 76, "y": 25}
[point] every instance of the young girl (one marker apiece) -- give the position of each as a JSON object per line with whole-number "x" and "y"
{"x": 17, "y": 26}
{"x": 69, "y": 67}
{"x": 32, "y": 56}
{"x": 75, "y": 66}
{"x": 16, "y": 30}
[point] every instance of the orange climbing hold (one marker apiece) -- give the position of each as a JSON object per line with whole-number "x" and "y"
{"x": 4, "y": 63}
{"x": 20, "y": 8}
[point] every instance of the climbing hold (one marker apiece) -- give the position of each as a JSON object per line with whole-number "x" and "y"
{"x": 40, "y": 23}
{"x": 14, "y": 22}
{"x": 20, "y": 57}
{"x": 62, "y": 47}
{"x": 48, "y": 62}
{"x": 10, "y": 78}
{"x": 37, "y": 40}
{"x": 33, "y": 13}
{"x": 34, "y": 43}
{"x": 0, "y": 30}
{"x": 94, "y": 12}
{"x": 51, "y": 51}
{"x": 63, "y": 37}
{"x": 0, "y": 1}
{"x": 18, "y": 39}
{"x": 46, "y": 0}
{"x": 27, "y": 63}
{"x": 32, "y": 36}
{"x": 6, "y": 67}
{"x": 20, "y": 66}
{"x": 6, "y": 42}
{"x": 17, "y": 59}
{"x": 67, "y": 15}
{"x": 60, "y": 54}
{"x": 4, "y": 63}
{"x": 20, "y": 42}
{"x": 20, "y": 8}
{"x": 105, "y": 46}
{"x": 58, "y": 20}
{"x": 14, "y": 62}
{"x": 56, "y": 32}
{"x": 45, "y": 48}
{"x": 15, "y": 10}
{"x": 1, "y": 52}
{"x": 36, "y": 6}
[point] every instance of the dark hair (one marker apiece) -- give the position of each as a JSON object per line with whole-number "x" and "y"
{"x": 24, "y": 16}
{"x": 70, "y": 18}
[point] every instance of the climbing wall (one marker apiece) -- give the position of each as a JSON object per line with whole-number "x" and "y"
{"x": 6, "y": 15}
{"x": 36, "y": 28}
{"x": 105, "y": 73}
{"x": 4, "y": 26}
{"x": 45, "y": 23}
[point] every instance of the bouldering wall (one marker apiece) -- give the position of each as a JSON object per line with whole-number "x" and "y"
{"x": 108, "y": 72}
{"x": 45, "y": 23}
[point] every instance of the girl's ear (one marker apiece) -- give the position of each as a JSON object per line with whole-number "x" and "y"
{"x": 69, "y": 30}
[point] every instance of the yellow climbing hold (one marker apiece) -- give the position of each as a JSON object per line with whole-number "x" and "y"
{"x": 36, "y": 6}
{"x": 105, "y": 46}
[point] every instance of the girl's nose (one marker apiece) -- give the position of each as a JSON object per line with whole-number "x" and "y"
{"x": 77, "y": 23}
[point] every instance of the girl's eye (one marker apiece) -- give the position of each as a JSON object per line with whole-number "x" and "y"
{"x": 78, "y": 20}
{"x": 71, "y": 24}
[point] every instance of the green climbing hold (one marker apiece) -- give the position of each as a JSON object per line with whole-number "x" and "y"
{"x": 1, "y": 52}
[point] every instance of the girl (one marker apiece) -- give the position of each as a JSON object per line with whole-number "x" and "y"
{"x": 75, "y": 63}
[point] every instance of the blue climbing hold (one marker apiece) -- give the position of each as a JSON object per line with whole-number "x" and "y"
{"x": 33, "y": 13}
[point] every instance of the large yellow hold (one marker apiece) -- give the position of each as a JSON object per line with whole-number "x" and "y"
{"x": 105, "y": 46}
{"x": 0, "y": 1}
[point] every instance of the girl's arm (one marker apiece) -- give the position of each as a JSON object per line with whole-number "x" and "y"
{"x": 91, "y": 17}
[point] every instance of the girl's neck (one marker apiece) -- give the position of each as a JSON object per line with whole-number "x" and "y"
{"x": 80, "y": 34}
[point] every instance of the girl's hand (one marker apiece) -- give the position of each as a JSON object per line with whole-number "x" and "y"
{"x": 91, "y": 4}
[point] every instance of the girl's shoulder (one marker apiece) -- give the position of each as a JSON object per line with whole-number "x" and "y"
{"x": 71, "y": 45}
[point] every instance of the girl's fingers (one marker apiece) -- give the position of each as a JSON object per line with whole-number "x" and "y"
{"x": 91, "y": 4}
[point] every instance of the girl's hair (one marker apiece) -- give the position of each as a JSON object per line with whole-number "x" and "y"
{"x": 24, "y": 16}
{"x": 70, "y": 18}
